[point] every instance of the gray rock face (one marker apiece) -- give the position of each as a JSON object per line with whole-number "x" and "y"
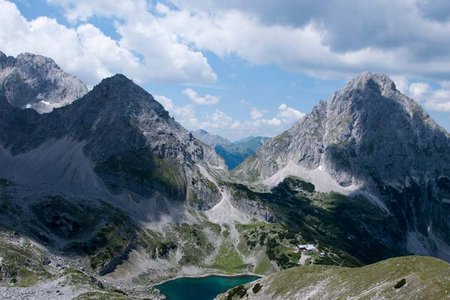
{"x": 123, "y": 136}
{"x": 370, "y": 136}
{"x": 34, "y": 81}
{"x": 368, "y": 130}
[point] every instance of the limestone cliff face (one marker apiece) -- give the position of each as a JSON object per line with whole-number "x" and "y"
{"x": 368, "y": 130}
{"x": 126, "y": 141}
{"x": 37, "y": 82}
{"x": 370, "y": 137}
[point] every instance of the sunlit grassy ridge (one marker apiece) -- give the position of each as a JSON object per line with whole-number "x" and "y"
{"x": 411, "y": 277}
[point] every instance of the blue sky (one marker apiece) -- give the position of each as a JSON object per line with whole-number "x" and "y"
{"x": 240, "y": 68}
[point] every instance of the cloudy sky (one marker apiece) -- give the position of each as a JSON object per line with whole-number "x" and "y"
{"x": 240, "y": 68}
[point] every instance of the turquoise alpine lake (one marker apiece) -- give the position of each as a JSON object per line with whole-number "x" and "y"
{"x": 201, "y": 288}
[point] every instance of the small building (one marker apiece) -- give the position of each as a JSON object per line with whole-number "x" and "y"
{"x": 307, "y": 247}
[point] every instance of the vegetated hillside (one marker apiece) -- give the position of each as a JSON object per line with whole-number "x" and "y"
{"x": 349, "y": 230}
{"x": 411, "y": 277}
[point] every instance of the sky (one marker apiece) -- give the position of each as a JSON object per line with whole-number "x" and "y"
{"x": 240, "y": 68}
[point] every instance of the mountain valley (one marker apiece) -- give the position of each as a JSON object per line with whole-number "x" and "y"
{"x": 232, "y": 153}
{"x": 103, "y": 194}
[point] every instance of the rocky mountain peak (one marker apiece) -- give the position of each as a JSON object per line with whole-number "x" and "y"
{"x": 116, "y": 81}
{"x": 122, "y": 135}
{"x": 367, "y": 129}
{"x": 30, "y": 60}
{"x": 118, "y": 97}
{"x": 117, "y": 88}
{"x": 3, "y": 58}
{"x": 369, "y": 139}
{"x": 367, "y": 80}
{"x": 35, "y": 81}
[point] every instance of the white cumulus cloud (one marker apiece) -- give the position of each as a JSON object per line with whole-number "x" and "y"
{"x": 167, "y": 103}
{"x": 144, "y": 52}
{"x": 437, "y": 99}
{"x": 219, "y": 122}
{"x": 168, "y": 41}
{"x": 256, "y": 113}
{"x": 202, "y": 100}
{"x": 288, "y": 113}
{"x": 418, "y": 90}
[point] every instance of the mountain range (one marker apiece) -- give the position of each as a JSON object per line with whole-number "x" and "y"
{"x": 106, "y": 190}
{"x": 233, "y": 153}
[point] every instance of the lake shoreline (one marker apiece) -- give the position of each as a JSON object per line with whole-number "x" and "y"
{"x": 202, "y": 286}
{"x": 206, "y": 275}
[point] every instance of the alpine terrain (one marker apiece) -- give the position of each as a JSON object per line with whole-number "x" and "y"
{"x": 106, "y": 195}
{"x": 370, "y": 140}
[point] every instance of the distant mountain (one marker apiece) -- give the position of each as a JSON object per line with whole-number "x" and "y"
{"x": 252, "y": 142}
{"x": 212, "y": 140}
{"x": 35, "y": 81}
{"x": 232, "y": 153}
{"x": 237, "y": 152}
{"x": 370, "y": 139}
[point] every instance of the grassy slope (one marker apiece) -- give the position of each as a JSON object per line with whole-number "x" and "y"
{"x": 21, "y": 265}
{"x": 426, "y": 278}
{"x": 349, "y": 227}
{"x": 228, "y": 260}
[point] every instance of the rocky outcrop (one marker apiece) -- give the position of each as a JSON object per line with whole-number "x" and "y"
{"x": 35, "y": 81}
